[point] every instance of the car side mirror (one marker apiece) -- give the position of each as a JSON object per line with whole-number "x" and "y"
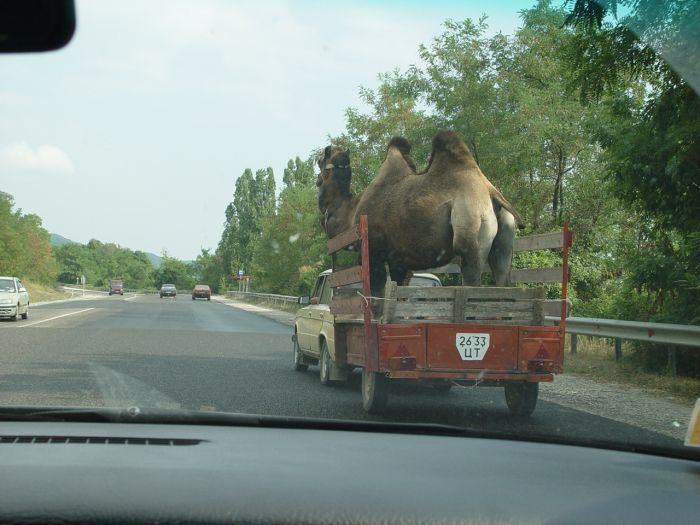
{"x": 22, "y": 289}
{"x": 303, "y": 300}
{"x": 313, "y": 300}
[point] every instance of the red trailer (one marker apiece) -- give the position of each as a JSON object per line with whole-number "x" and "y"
{"x": 484, "y": 336}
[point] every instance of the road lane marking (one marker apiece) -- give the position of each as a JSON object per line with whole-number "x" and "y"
{"x": 52, "y": 318}
{"x": 131, "y": 298}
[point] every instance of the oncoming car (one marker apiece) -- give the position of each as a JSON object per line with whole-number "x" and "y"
{"x": 201, "y": 291}
{"x": 14, "y": 298}
{"x": 116, "y": 286}
{"x": 168, "y": 290}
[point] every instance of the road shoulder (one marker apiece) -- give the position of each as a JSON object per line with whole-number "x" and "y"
{"x": 279, "y": 316}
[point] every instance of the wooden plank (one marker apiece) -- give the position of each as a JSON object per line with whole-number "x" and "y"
{"x": 537, "y": 275}
{"x": 344, "y": 239}
{"x": 346, "y": 305}
{"x": 495, "y": 309}
{"x": 502, "y": 292}
{"x": 424, "y": 292}
{"x": 389, "y": 302}
{"x": 350, "y": 275}
{"x": 540, "y": 241}
{"x": 442, "y": 310}
{"x": 538, "y": 313}
{"x": 458, "y": 305}
{"x": 553, "y": 307}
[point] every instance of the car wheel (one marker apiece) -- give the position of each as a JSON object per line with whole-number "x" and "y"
{"x": 299, "y": 366}
{"x": 521, "y": 398}
{"x": 375, "y": 392}
{"x": 193, "y": 297}
{"x": 25, "y": 315}
{"x": 16, "y": 316}
{"x": 208, "y": 298}
{"x": 324, "y": 365}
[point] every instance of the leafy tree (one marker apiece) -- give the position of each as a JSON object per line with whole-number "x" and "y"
{"x": 174, "y": 271}
{"x": 207, "y": 269}
{"x": 25, "y": 250}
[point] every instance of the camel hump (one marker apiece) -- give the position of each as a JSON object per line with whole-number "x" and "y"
{"x": 449, "y": 142}
{"x": 401, "y": 144}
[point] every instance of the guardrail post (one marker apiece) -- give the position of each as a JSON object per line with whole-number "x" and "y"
{"x": 672, "y": 362}
{"x": 574, "y": 342}
{"x": 618, "y": 349}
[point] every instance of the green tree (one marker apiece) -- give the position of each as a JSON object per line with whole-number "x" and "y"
{"x": 25, "y": 250}
{"x": 174, "y": 271}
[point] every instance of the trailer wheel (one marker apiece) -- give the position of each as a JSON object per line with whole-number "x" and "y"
{"x": 375, "y": 392}
{"x": 299, "y": 365}
{"x": 521, "y": 398}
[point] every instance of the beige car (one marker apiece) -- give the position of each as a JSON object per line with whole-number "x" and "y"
{"x": 313, "y": 329}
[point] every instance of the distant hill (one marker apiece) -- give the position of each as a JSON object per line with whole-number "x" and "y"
{"x": 155, "y": 260}
{"x": 59, "y": 240}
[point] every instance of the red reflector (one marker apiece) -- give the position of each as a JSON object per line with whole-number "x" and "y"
{"x": 542, "y": 353}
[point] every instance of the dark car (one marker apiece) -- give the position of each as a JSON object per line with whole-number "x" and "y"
{"x": 168, "y": 290}
{"x": 201, "y": 291}
{"x": 116, "y": 286}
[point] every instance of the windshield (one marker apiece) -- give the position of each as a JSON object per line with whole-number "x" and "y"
{"x": 7, "y": 285}
{"x": 538, "y": 157}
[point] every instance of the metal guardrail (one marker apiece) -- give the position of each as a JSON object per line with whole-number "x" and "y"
{"x": 663, "y": 333}
{"x": 269, "y": 297}
{"x": 660, "y": 333}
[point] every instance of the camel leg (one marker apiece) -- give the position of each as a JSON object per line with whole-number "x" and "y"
{"x": 377, "y": 276}
{"x": 472, "y": 242}
{"x": 501, "y": 254}
{"x": 398, "y": 274}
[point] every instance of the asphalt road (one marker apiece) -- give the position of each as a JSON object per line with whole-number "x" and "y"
{"x": 208, "y": 355}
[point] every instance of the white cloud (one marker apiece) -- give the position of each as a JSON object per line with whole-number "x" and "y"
{"x": 46, "y": 158}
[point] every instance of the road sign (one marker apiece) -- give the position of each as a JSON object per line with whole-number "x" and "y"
{"x": 240, "y": 273}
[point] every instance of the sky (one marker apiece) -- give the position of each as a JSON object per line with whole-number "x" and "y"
{"x": 136, "y": 132}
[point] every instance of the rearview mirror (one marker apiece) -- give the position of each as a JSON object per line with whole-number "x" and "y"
{"x": 35, "y": 25}
{"x": 303, "y": 300}
{"x": 22, "y": 289}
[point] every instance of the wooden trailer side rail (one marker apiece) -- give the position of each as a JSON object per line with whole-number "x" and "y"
{"x": 348, "y": 301}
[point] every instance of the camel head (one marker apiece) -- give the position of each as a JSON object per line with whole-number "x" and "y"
{"x": 334, "y": 195}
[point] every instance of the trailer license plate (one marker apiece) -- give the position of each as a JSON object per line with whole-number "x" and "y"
{"x": 472, "y": 347}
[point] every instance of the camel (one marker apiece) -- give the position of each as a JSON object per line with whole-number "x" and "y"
{"x": 422, "y": 220}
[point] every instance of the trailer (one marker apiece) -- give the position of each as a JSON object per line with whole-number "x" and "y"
{"x": 482, "y": 336}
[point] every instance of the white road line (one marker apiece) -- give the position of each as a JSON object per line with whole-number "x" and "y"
{"x": 52, "y": 318}
{"x": 131, "y": 298}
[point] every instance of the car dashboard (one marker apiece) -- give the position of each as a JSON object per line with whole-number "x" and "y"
{"x": 114, "y": 472}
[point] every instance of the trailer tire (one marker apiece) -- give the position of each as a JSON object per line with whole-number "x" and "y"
{"x": 324, "y": 365}
{"x": 375, "y": 392}
{"x": 299, "y": 365}
{"x": 521, "y": 398}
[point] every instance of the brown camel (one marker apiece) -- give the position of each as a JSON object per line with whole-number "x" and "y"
{"x": 419, "y": 221}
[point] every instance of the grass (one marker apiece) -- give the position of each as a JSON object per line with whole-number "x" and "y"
{"x": 41, "y": 292}
{"x": 595, "y": 359}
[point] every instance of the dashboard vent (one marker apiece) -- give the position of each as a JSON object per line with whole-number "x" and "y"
{"x": 96, "y": 440}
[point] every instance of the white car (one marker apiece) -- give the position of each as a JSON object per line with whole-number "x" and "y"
{"x": 14, "y": 298}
